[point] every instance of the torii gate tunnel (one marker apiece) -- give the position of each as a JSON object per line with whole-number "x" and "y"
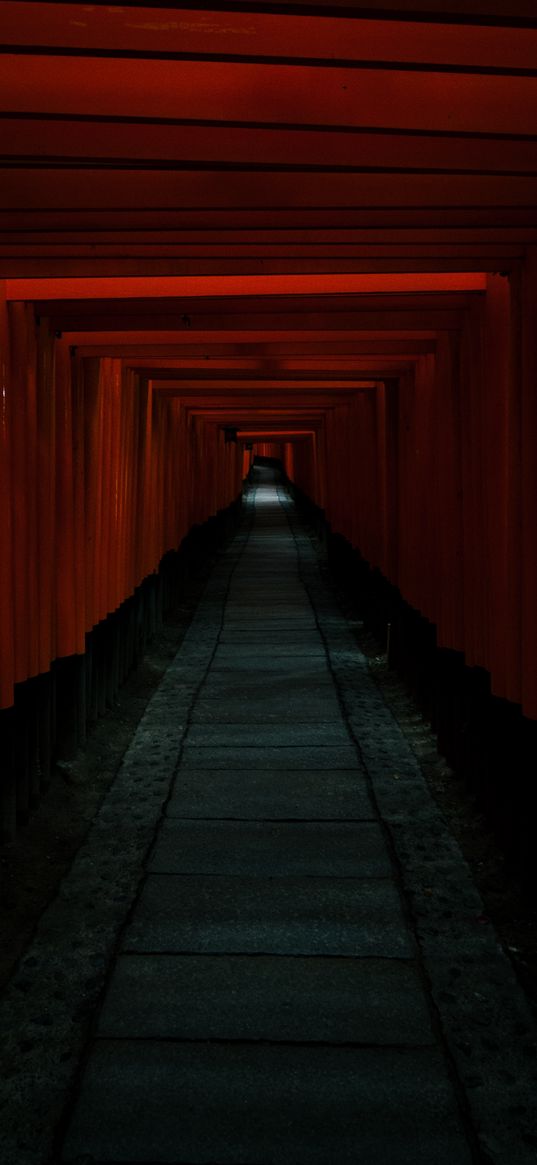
{"x": 313, "y": 226}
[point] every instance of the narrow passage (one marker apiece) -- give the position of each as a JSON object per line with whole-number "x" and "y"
{"x": 268, "y": 1001}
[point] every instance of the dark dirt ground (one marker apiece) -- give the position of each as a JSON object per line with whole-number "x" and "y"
{"x": 507, "y": 907}
{"x": 32, "y": 866}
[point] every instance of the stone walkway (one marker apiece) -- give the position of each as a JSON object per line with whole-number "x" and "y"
{"x": 304, "y": 975}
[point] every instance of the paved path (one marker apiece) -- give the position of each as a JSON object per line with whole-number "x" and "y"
{"x": 303, "y": 977}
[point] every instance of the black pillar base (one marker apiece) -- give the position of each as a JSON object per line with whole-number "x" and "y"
{"x": 52, "y": 712}
{"x": 486, "y": 740}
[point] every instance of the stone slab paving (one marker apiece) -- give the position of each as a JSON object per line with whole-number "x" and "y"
{"x": 263, "y": 639}
{"x": 297, "y": 1104}
{"x": 262, "y": 736}
{"x": 276, "y": 915}
{"x": 269, "y": 757}
{"x": 276, "y": 998}
{"x": 276, "y": 936}
{"x": 270, "y": 949}
{"x": 335, "y": 849}
{"x": 294, "y": 667}
{"x": 266, "y": 708}
{"x": 271, "y": 794}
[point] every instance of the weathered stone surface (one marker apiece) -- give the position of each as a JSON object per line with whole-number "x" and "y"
{"x": 169, "y": 1102}
{"x": 260, "y": 707}
{"x": 288, "y": 916}
{"x": 269, "y": 794}
{"x": 330, "y": 756}
{"x": 272, "y": 1001}
{"x": 331, "y": 1000}
{"x": 272, "y": 849}
{"x": 228, "y": 735}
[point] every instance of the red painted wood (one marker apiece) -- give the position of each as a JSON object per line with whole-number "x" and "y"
{"x": 528, "y": 467}
{"x": 217, "y": 91}
{"x": 254, "y": 34}
{"x": 7, "y": 646}
{"x": 339, "y": 262}
{"x": 64, "y": 541}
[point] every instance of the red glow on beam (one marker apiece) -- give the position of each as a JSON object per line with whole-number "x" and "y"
{"x": 193, "y": 286}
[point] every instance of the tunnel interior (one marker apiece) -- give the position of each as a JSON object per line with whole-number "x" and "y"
{"x": 278, "y": 231}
